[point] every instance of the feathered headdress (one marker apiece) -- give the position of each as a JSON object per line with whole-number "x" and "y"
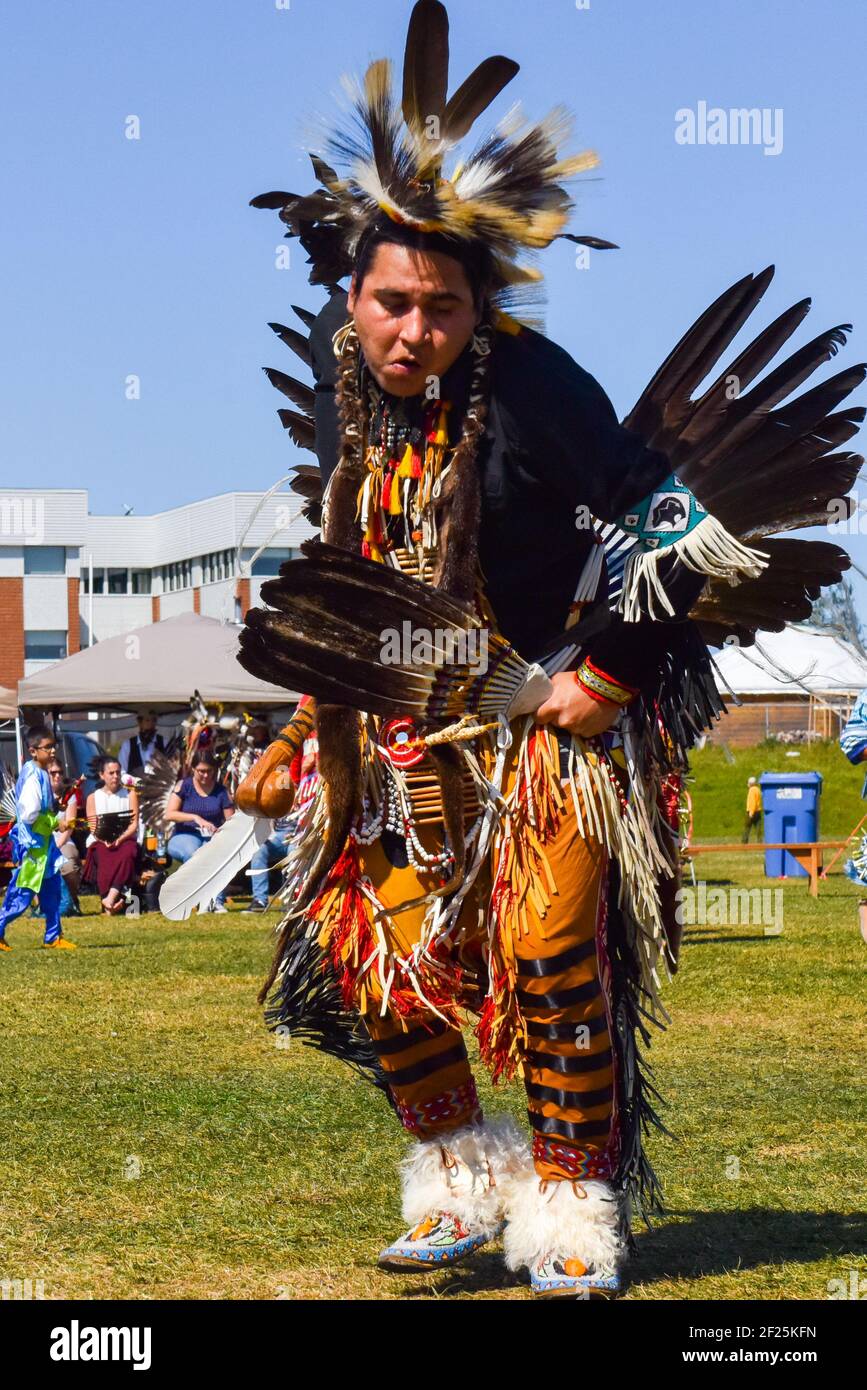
{"x": 507, "y": 193}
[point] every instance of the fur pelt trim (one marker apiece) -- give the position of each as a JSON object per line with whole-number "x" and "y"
{"x": 465, "y": 1172}
{"x": 552, "y": 1218}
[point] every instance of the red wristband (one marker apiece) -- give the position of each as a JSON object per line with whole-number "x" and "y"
{"x": 601, "y": 687}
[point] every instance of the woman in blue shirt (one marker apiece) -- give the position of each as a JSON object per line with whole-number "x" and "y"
{"x": 199, "y": 804}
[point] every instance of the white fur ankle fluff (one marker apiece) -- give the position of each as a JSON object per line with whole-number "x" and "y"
{"x": 559, "y": 1222}
{"x": 471, "y": 1180}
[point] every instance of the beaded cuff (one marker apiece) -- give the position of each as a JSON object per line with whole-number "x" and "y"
{"x": 601, "y": 687}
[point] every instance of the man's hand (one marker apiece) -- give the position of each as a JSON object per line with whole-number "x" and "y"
{"x": 571, "y": 708}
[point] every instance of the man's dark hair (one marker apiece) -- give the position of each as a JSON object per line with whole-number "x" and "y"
{"x": 36, "y": 733}
{"x": 474, "y": 256}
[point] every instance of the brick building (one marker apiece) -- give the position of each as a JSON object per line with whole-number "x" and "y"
{"x": 69, "y": 578}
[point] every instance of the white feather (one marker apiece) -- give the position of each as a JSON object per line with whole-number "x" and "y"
{"x": 213, "y": 866}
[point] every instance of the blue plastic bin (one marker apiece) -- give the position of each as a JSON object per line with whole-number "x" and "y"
{"x": 790, "y": 801}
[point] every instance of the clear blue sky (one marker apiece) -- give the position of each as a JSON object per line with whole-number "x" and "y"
{"x": 143, "y": 257}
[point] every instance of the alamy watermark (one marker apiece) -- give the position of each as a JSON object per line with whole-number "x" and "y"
{"x": 847, "y": 514}
{"x": 22, "y": 518}
{"x": 852, "y": 1287}
{"x": 440, "y": 646}
{"x": 733, "y": 907}
{"x": 22, "y": 1290}
{"x": 740, "y": 125}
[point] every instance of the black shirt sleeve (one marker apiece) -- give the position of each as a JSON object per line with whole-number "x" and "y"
{"x": 566, "y": 430}
{"x": 561, "y": 416}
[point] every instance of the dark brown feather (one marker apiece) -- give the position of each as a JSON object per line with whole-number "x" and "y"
{"x": 662, "y": 407}
{"x": 272, "y": 200}
{"x": 293, "y": 339}
{"x": 594, "y": 242}
{"x": 300, "y": 428}
{"x": 302, "y": 395}
{"x": 306, "y": 317}
{"x": 425, "y": 65}
{"x": 475, "y": 95}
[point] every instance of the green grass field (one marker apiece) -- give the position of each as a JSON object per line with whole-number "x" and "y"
{"x": 156, "y": 1143}
{"x": 719, "y": 788}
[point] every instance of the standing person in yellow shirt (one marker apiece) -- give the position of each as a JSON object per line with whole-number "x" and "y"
{"x": 754, "y": 808}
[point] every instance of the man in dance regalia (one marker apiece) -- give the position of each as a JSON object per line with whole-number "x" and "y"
{"x": 503, "y": 634}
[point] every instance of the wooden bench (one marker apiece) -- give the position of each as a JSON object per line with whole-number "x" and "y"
{"x": 807, "y": 853}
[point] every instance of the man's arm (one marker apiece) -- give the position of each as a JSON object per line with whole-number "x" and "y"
{"x": 587, "y": 457}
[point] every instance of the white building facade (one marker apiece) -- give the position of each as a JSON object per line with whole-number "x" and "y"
{"x": 69, "y": 578}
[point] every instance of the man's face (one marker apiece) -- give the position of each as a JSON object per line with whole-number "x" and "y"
{"x": 414, "y": 315}
{"x": 146, "y": 725}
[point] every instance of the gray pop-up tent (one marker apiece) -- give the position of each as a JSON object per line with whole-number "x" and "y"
{"x": 158, "y": 665}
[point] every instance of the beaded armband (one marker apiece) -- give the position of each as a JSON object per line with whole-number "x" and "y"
{"x": 601, "y": 687}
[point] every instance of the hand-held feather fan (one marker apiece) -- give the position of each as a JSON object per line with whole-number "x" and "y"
{"x": 8, "y": 807}
{"x": 353, "y": 632}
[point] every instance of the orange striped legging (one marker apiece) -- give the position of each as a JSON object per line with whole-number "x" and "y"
{"x": 568, "y": 1067}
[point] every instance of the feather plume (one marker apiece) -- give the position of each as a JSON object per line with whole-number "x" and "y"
{"x": 214, "y": 866}
{"x": 391, "y": 158}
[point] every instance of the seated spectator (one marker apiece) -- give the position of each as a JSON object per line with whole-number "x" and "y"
{"x": 112, "y": 854}
{"x": 66, "y": 799}
{"x": 136, "y": 753}
{"x": 199, "y": 805}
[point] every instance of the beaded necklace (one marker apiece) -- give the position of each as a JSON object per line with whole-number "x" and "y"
{"x": 406, "y": 465}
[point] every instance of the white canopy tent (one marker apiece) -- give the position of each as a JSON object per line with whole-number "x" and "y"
{"x": 797, "y": 661}
{"x": 160, "y": 665}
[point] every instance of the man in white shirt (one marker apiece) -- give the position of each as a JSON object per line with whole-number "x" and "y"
{"x": 137, "y": 752}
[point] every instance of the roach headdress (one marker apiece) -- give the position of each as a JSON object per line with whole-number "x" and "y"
{"x": 401, "y": 160}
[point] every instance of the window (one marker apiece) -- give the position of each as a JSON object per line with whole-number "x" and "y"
{"x": 219, "y": 564}
{"x": 141, "y": 581}
{"x": 178, "y": 576}
{"x": 270, "y": 560}
{"x": 45, "y": 559}
{"x": 117, "y": 581}
{"x": 98, "y": 580}
{"x": 44, "y": 646}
